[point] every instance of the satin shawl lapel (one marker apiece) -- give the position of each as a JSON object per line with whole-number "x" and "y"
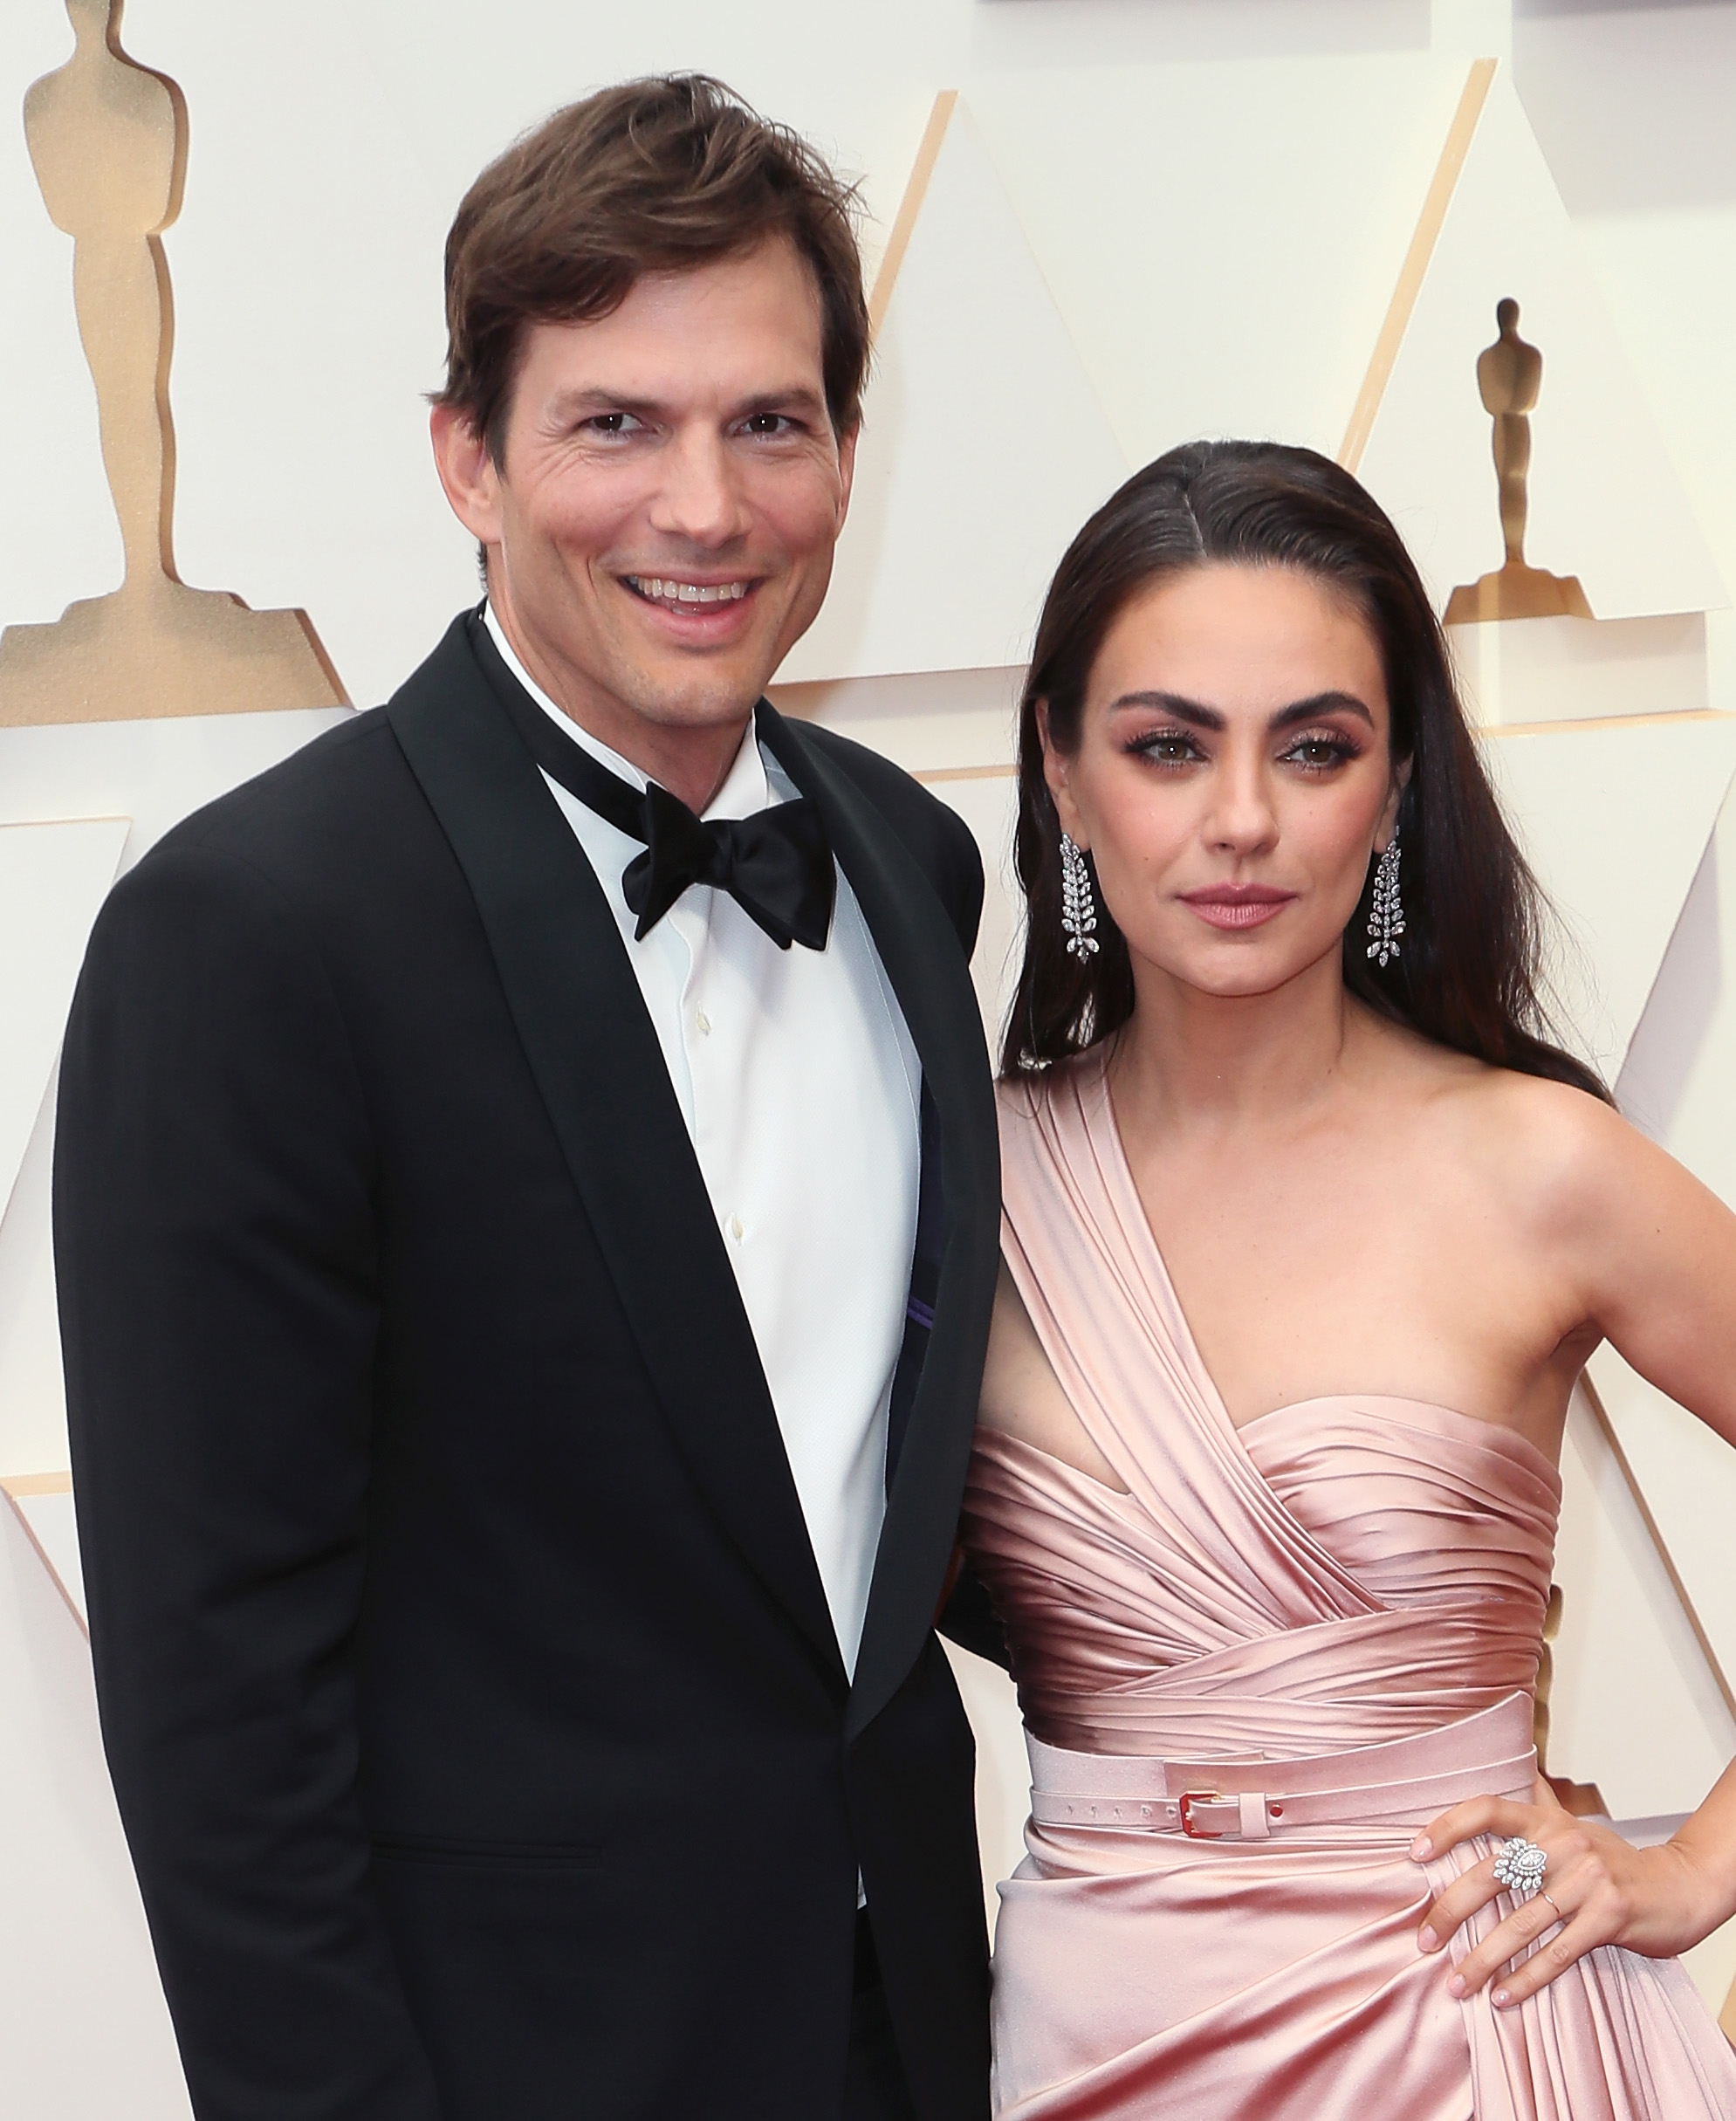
{"x": 931, "y": 978}
{"x": 597, "y": 1064}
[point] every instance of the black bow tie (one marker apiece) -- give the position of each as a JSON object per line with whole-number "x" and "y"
{"x": 777, "y": 864}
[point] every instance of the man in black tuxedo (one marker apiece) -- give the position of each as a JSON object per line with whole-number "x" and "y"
{"x": 527, "y": 1225}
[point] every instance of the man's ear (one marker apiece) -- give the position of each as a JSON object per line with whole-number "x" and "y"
{"x": 1054, "y": 772}
{"x": 467, "y": 473}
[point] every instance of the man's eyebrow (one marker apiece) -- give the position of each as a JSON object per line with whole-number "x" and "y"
{"x": 1201, "y": 717}
{"x": 800, "y": 397}
{"x": 586, "y": 399}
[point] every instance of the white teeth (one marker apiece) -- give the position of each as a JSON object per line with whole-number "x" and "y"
{"x": 663, "y": 592}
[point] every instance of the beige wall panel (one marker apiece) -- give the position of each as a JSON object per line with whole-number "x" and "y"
{"x": 52, "y": 880}
{"x": 83, "y": 2031}
{"x": 989, "y": 805}
{"x": 984, "y": 448}
{"x": 32, "y": 1388}
{"x": 1614, "y": 817}
{"x": 1677, "y": 1084}
{"x": 1569, "y": 669}
{"x": 927, "y": 721}
{"x": 43, "y": 1505}
{"x": 1210, "y": 289}
{"x": 1635, "y": 1706}
{"x": 154, "y": 774}
{"x": 1003, "y": 1770}
{"x": 1607, "y": 504}
{"x": 1687, "y": 1475}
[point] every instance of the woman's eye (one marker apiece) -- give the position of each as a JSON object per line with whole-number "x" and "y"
{"x": 1320, "y": 753}
{"x": 1167, "y": 747}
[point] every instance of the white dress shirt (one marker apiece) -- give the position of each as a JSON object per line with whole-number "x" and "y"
{"x": 795, "y": 1073}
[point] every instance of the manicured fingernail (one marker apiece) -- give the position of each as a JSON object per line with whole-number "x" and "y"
{"x": 1455, "y": 1988}
{"x": 1427, "y": 1940}
{"x": 1501, "y": 1998}
{"x": 1419, "y": 1848}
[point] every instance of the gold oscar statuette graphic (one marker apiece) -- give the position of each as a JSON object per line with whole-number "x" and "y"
{"x": 1510, "y": 379}
{"x": 107, "y": 140}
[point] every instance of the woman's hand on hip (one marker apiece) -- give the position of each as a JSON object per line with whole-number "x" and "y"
{"x": 1596, "y": 1890}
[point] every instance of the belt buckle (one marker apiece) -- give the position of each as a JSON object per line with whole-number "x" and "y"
{"x": 1188, "y": 1799}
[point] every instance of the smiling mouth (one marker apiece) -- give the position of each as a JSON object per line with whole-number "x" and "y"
{"x": 666, "y": 591}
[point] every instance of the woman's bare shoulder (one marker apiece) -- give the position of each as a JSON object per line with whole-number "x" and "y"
{"x": 1549, "y": 1142}
{"x": 1554, "y": 1150}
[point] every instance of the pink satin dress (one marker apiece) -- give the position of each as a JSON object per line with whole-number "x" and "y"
{"x": 1247, "y": 1682}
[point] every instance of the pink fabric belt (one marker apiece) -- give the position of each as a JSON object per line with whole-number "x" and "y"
{"x": 1403, "y": 1782}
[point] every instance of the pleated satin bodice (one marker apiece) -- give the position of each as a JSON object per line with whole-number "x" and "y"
{"x": 1340, "y": 1572}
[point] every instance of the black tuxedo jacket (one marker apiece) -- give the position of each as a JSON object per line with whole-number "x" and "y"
{"x": 478, "y": 1725}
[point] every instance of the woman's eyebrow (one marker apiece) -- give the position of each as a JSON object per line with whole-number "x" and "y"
{"x": 1173, "y": 703}
{"x": 1319, "y": 704}
{"x": 1201, "y": 717}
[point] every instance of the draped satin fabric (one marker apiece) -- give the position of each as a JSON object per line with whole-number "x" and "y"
{"x": 1360, "y": 1577}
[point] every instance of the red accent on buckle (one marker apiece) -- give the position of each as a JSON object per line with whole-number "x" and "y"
{"x": 1191, "y": 1797}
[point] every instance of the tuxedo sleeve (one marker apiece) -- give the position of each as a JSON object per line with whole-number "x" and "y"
{"x": 215, "y": 1252}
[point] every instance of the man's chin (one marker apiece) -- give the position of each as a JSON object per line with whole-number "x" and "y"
{"x": 714, "y": 706}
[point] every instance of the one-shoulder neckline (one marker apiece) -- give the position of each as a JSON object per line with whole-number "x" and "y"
{"x": 1495, "y": 1435}
{"x": 1488, "y": 1435}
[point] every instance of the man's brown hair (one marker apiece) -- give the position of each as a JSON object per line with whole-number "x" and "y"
{"x": 655, "y": 175}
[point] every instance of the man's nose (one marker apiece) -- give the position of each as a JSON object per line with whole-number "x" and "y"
{"x": 699, "y": 499}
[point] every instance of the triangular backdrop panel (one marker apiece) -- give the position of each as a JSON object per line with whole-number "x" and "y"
{"x": 52, "y": 880}
{"x": 1627, "y": 1664}
{"x": 988, "y": 803}
{"x": 1177, "y": 212}
{"x": 1605, "y": 503}
{"x": 47, "y": 1514}
{"x": 1651, "y": 788}
{"x": 983, "y": 450}
{"x": 1687, "y": 1474}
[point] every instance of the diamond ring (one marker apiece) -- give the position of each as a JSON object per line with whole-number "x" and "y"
{"x": 1520, "y": 1866}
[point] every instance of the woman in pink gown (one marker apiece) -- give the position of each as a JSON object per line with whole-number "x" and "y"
{"x": 1273, "y": 1567}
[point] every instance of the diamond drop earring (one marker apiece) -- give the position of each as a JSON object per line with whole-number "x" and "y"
{"x": 1078, "y": 910}
{"x": 1386, "y": 909}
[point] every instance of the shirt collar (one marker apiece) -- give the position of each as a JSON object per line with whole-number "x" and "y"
{"x": 745, "y": 788}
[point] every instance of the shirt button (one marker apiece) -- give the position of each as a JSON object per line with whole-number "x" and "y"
{"x": 704, "y": 1025}
{"x": 735, "y": 1228}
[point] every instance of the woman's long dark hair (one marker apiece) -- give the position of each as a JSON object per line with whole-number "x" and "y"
{"x": 1469, "y": 974}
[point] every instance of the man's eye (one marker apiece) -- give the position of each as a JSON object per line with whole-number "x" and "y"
{"x": 768, "y": 423}
{"x": 611, "y": 424}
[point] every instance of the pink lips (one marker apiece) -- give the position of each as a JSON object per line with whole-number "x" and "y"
{"x": 1237, "y": 906}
